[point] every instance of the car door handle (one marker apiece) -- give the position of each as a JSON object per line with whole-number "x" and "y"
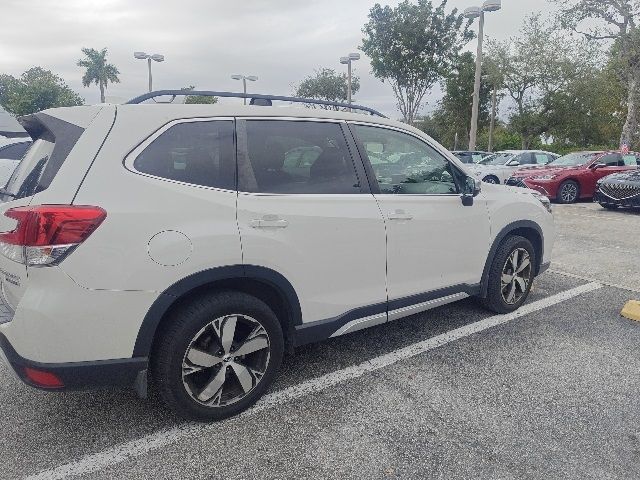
{"x": 400, "y": 215}
{"x": 269, "y": 221}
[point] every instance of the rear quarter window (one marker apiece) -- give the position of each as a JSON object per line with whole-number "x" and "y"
{"x": 198, "y": 153}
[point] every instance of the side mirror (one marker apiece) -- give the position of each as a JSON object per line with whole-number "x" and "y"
{"x": 513, "y": 163}
{"x": 596, "y": 166}
{"x": 470, "y": 189}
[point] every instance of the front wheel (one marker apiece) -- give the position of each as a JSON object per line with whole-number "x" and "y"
{"x": 568, "y": 192}
{"x": 217, "y": 355}
{"x": 511, "y": 275}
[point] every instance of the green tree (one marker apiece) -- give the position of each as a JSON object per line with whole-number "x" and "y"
{"x": 412, "y": 46}
{"x": 613, "y": 21}
{"x": 454, "y": 111}
{"x": 193, "y": 99}
{"x": 327, "y": 85}
{"x": 36, "y": 89}
{"x": 540, "y": 62}
{"x": 98, "y": 70}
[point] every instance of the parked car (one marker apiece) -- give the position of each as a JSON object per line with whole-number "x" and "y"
{"x": 188, "y": 242}
{"x": 11, "y": 151}
{"x": 498, "y": 167}
{"x": 574, "y": 176}
{"x": 470, "y": 157}
{"x": 619, "y": 190}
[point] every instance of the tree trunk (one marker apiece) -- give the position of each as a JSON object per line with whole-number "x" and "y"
{"x": 101, "y": 92}
{"x": 631, "y": 125}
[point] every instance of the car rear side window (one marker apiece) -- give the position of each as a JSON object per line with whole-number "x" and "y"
{"x": 287, "y": 156}
{"x": 631, "y": 160}
{"x": 199, "y": 153}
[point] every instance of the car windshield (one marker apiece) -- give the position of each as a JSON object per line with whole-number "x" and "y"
{"x": 573, "y": 159}
{"x": 498, "y": 159}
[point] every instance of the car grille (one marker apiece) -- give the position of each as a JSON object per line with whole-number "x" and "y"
{"x": 619, "y": 191}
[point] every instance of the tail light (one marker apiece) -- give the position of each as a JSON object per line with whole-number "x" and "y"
{"x": 47, "y": 233}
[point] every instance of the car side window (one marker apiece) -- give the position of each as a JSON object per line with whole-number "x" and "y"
{"x": 631, "y": 160}
{"x": 542, "y": 158}
{"x": 404, "y": 164}
{"x": 525, "y": 158}
{"x": 285, "y": 156}
{"x": 199, "y": 153}
{"x": 477, "y": 157}
{"x": 611, "y": 160}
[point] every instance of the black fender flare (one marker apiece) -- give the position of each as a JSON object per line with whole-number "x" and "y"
{"x": 166, "y": 299}
{"x": 484, "y": 283}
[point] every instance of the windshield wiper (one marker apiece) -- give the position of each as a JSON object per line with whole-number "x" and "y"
{"x": 3, "y": 191}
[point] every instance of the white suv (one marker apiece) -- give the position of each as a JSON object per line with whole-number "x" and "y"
{"x": 193, "y": 244}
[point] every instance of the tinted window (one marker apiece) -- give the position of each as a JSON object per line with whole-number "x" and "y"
{"x": 611, "y": 159}
{"x": 467, "y": 157}
{"x": 296, "y": 157}
{"x": 201, "y": 153}
{"x": 406, "y": 165}
{"x": 15, "y": 151}
{"x": 526, "y": 159}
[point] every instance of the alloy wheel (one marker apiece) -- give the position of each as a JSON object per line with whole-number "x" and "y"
{"x": 490, "y": 180}
{"x": 516, "y": 276}
{"x": 569, "y": 192}
{"x": 226, "y": 360}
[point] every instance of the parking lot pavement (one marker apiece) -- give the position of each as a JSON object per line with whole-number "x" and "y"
{"x": 548, "y": 394}
{"x": 598, "y": 243}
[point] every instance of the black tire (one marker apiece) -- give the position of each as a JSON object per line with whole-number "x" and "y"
{"x": 494, "y": 300}
{"x": 568, "y": 192}
{"x": 187, "y": 322}
{"x": 491, "y": 179}
{"x": 609, "y": 207}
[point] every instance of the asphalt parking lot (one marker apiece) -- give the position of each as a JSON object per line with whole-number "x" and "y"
{"x": 551, "y": 392}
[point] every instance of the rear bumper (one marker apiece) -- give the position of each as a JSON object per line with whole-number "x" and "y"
{"x": 76, "y": 375}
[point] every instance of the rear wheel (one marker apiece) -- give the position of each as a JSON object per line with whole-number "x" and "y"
{"x": 568, "y": 192}
{"x": 217, "y": 356}
{"x": 511, "y": 275}
{"x": 491, "y": 179}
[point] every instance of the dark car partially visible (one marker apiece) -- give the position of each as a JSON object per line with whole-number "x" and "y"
{"x": 619, "y": 190}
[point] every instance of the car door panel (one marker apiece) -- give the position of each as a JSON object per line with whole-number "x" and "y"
{"x": 324, "y": 235}
{"x": 433, "y": 241}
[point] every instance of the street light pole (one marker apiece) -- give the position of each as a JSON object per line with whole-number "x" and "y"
{"x": 478, "y": 12}
{"x": 473, "y": 133}
{"x": 150, "y": 76}
{"x": 352, "y": 57}
{"x": 244, "y": 78}
{"x": 156, "y": 57}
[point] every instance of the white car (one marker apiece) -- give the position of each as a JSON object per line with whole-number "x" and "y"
{"x": 501, "y": 165}
{"x": 190, "y": 244}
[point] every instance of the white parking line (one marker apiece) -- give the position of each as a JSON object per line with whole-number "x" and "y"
{"x": 135, "y": 448}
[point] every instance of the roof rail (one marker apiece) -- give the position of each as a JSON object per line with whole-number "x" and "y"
{"x": 206, "y": 93}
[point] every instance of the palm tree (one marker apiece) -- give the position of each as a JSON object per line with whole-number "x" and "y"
{"x": 98, "y": 70}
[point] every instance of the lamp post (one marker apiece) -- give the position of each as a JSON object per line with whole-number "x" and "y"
{"x": 251, "y": 78}
{"x": 352, "y": 57}
{"x": 156, "y": 57}
{"x": 475, "y": 12}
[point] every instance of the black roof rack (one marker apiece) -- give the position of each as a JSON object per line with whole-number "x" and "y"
{"x": 206, "y": 93}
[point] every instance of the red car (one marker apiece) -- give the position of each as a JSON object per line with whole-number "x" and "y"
{"x": 573, "y": 176}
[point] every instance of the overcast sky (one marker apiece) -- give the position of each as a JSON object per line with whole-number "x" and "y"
{"x": 205, "y": 41}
